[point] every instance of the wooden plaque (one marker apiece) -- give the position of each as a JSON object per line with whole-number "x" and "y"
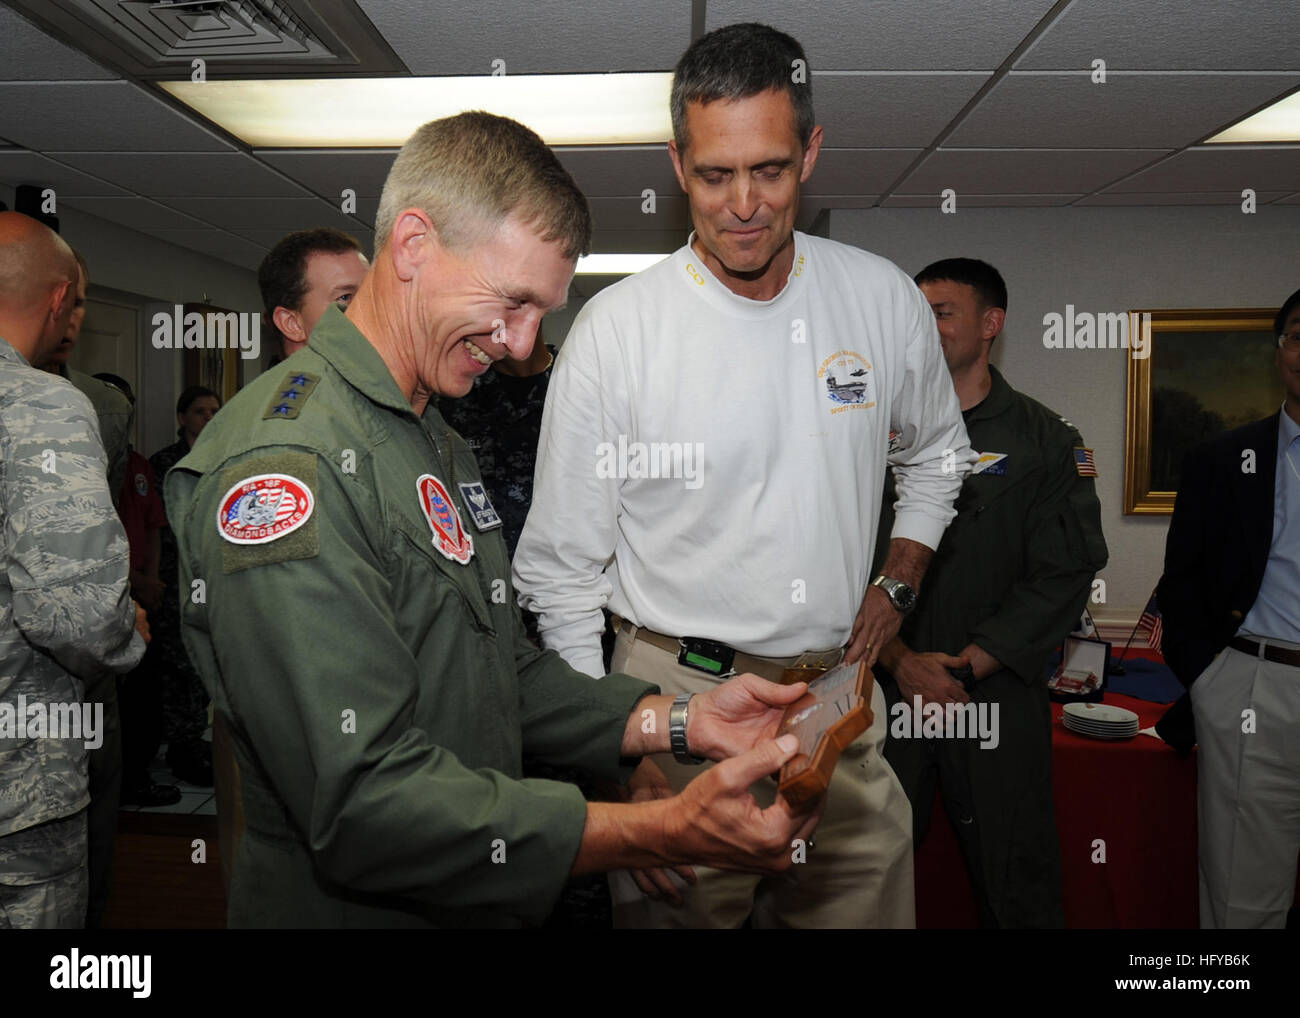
{"x": 834, "y": 712}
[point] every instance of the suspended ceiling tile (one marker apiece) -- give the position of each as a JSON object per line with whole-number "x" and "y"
{"x": 231, "y": 249}
{"x": 887, "y": 35}
{"x": 328, "y": 172}
{"x": 891, "y": 110}
{"x": 1183, "y": 198}
{"x": 545, "y": 36}
{"x": 1128, "y": 111}
{"x": 284, "y": 214}
{"x": 858, "y": 170}
{"x": 137, "y": 213}
{"x": 166, "y": 174}
{"x": 18, "y": 166}
{"x": 1011, "y": 171}
{"x": 1246, "y": 35}
{"x": 671, "y": 212}
{"x": 613, "y": 171}
{"x": 102, "y": 116}
{"x": 28, "y": 53}
{"x": 980, "y": 200}
{"x": 1221, "y": 168}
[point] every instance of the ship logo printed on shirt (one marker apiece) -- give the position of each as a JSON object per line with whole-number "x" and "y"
{"x": 848, "y": 381}
{"x": 449, "y": 536}
{"x": 993, "y": 464}
{"x": 264, "y": 508}
{"x": 480, "y": 506}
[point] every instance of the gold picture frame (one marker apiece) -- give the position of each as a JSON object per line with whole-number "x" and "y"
{"x": 1201, "y": 372}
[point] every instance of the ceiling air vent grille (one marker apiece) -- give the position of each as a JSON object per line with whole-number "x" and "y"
{"x": 241, "y": 38}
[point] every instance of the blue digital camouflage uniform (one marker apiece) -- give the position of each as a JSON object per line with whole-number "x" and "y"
{"x": 66, "y": 615}
{"x": 115, "y": 414}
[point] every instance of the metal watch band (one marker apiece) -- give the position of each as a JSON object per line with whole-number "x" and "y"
{"x": 677, "y": 730}
{"x": 892, "y": 589}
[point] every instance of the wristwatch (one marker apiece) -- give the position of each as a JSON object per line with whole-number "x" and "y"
{"x": 677, "y": 730}
{"x": 901, "y": 596}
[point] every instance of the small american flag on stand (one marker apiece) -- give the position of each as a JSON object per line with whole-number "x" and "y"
{"x": 1151, "y": 624}
{"x": 1084, "y": 462}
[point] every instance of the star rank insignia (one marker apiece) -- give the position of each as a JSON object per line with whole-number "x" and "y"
{"x": 290, "y": 395}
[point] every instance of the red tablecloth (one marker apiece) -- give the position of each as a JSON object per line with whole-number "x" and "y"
{"x": 1137, "y": 797}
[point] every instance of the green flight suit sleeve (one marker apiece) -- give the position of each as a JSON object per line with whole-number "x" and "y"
{"x": 381, "y": 806}
{"x": 570, "y": 719}
{"x": 1065, "y": 550}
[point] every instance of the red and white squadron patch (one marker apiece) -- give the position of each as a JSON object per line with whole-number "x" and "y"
{"x": 449, "y": 536}
{"x": 263, "y": 508}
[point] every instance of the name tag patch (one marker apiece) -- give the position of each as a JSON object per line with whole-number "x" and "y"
{"x": 449, "y": 536}
{"x": 992, "y": 463}
{"x": 264, "y": 508}
{"x": 481, "y": 511}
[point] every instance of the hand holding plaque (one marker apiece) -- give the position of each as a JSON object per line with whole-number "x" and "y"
{"x": 830, "y": 715}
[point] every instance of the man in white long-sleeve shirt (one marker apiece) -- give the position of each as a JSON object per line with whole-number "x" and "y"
{"x": 712, "y": 456}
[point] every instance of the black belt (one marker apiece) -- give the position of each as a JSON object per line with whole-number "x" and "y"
{"x": 1280, "y": 655}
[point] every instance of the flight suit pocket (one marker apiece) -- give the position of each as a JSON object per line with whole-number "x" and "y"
{"x": 1086, "y": 542}
{"x": 459, "y": 577}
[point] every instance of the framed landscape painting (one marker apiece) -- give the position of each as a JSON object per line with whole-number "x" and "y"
{"x": 1207, "y": 372}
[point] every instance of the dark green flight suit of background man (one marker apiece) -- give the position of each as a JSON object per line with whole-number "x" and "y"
{"x": 1008, "y": 582}
{"x": 346, "y": 599}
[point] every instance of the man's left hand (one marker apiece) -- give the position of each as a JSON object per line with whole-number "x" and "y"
{"x": 738, "y": 715}
{"x": 877, "y": 623}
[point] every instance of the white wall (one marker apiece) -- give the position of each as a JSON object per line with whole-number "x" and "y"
{"x": 1098, "y": 259}
{"x": 134, "y": 267}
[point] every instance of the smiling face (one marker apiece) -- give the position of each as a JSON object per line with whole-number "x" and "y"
{"x": 476, "y": 305}
{"x": 966, "y": 327}
{"x": 741, "y": 171}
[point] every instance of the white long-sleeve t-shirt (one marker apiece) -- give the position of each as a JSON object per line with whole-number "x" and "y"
{"x": 712, "y": 466}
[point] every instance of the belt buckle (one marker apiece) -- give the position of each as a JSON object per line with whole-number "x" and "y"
{"x": 708, "y": 656}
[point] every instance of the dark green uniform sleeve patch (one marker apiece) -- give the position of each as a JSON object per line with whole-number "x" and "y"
{"x": 299, "y": 541}
{"x": 290, "y": 396}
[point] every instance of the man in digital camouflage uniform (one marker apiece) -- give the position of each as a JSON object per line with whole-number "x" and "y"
{"x": 379, "y": 736}
{"x": 115, "y": 415}
{"x": 66, "y": 616}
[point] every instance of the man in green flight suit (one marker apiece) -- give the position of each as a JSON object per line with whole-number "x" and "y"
{"x": 345, "y": 596}
{"x": 1009, "y": 580}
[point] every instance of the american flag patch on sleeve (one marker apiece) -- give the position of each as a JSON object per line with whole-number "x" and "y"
{"x": 1084, "y": 463}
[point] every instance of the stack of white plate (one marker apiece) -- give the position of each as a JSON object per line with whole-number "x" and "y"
{"x": 1100, "y": 721}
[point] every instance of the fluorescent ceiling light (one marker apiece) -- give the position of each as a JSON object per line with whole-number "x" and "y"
{"x": 1279, "y": 122}
{"x": 616, "y": 264}
{"x": 565, "y": 109}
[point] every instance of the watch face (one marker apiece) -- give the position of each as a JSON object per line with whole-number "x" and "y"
{"x": 904, "y": 598}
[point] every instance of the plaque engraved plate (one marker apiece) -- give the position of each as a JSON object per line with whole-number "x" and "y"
{"x": 834, "y": 712}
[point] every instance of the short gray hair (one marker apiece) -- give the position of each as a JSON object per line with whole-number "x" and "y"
{"x": 470, "y": 171}
{"x": 739, "y": 61}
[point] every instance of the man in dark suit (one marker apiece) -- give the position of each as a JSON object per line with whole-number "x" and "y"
{"x": 1230, "y": 596}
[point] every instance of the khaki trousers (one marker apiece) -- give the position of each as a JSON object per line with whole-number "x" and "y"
{"x": 858, "y": 875}
{"x": 1248, "y": 789}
